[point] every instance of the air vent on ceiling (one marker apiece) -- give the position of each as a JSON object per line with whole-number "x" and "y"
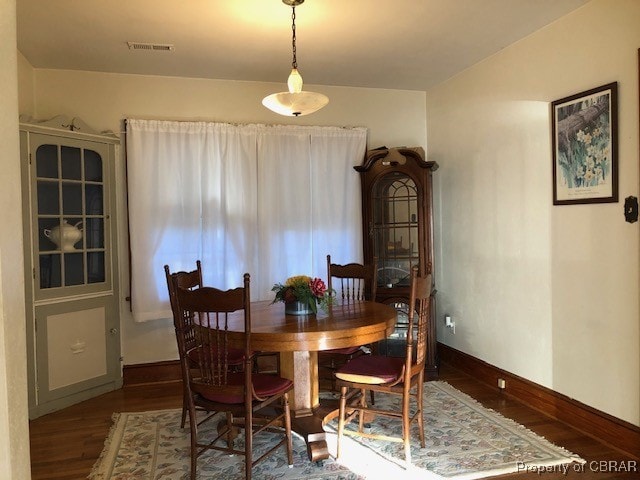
{"x": 164, "y": 47}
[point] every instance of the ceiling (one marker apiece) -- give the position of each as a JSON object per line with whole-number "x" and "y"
{"x": 396, "y": 44}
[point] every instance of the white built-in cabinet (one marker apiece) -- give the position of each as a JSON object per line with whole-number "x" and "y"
{"x": 73, "y": 321}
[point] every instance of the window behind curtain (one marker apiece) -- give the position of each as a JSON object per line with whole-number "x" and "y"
{"x": 268, "y": 200}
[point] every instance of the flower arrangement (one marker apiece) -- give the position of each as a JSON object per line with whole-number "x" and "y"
{"x": 309, "y": 291}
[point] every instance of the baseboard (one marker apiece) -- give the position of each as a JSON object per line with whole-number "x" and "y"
{"x": 617, "y": 433}
{"x": 149, "y": 373}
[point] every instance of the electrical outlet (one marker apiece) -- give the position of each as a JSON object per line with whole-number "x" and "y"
{"x": 502, "y": 384}
{"x": 449, "y": 323}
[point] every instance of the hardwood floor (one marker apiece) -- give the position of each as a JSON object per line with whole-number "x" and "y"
{"x": 66, "y": 444}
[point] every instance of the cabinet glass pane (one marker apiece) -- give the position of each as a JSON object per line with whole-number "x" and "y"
{"x": 94, "y": 199}
{"x": 395, "y": 345}
{"x": 395, "y": 273}
{"x": 94, "y": 232}
{"x": 403, "y": 320}
{"x": 73, "y": 233}
{"x": 92, "y": 166}
{"x": 71, "y": 216}
{"x": 71, "y": 198}
{"x": 50, "y": 276}
{"x": 400, "y": 241}
{"x": 73, "y": 269}
{"x": 71, "y": 164}
{"x": 48, "y": 198}
{"x": 95, "y": 267}
{"x": 45, "y": 234}
{"x": 395, "y": 228}
{"x": 47, "y": 161}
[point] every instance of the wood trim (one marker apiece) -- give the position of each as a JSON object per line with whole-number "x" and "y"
{"x": 606, "y": 428}
{"x": 151, "y": 373}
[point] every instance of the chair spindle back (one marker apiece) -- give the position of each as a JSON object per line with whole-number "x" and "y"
{"x": 205, "y": 312}
{"x": 419, "y": 316}
{"x": 357, "y": 282}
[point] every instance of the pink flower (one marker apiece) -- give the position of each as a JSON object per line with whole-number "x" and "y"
{"x": 318, "y": 288}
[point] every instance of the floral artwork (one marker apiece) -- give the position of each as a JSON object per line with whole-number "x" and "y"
{"x": 304, "y": 289}
{"x": 584, "y": 147}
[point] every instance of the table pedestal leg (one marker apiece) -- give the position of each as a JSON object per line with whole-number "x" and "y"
{"x": 302, "y": 368}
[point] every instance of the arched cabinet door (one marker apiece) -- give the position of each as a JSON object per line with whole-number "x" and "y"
{"x": 397, "y": 209}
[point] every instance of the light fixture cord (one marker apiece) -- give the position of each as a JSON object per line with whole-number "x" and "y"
{"x": 294, "y": 64}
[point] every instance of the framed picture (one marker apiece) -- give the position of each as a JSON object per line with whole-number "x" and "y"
{"x": 585, "y": 147}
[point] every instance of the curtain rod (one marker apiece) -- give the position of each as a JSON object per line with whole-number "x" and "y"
{"x": 239, "y": 124}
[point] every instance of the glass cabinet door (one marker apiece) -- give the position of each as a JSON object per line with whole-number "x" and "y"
{"x": 395, "y": 228}
{"x": 70, "y": 215}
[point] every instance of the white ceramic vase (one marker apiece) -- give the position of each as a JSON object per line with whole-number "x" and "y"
{"x": 65, "y": 236}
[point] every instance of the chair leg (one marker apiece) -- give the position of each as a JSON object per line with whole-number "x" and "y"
{"x": 193, "y": 428}
{"x": 332, "y": 367}
{"x": 184, "y": 414}
{"x": 406, "y": 431}
{"x": 230, "y": 435}
{"x": 185, "y": 405}
{"x": 361, "y": 413}
{"x": 343, "y": 409}
{"x": 420, "y": 399}
{"x": 248, "y": 443}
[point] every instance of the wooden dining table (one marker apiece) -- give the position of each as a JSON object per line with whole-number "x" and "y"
{"x": 298, "y": 338}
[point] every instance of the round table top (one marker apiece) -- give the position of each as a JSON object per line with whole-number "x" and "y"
{"x": 341, "y": 325}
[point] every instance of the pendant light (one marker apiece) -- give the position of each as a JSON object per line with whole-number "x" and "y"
{"x": 295, "y": 102}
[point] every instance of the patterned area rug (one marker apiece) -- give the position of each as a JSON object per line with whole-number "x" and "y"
{"x": 464, "y": 441}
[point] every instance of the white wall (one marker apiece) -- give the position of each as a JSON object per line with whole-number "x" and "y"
{"x": 103, "y": 100}
{"x": 26, "y": 93}
{"x": 14, "y": 427}
{"x": 547, "y": 292}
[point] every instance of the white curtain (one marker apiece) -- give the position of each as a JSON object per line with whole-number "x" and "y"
{"x": 268, "y": 200}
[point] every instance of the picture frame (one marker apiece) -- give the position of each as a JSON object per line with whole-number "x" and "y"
{"x": 585, "y": 146}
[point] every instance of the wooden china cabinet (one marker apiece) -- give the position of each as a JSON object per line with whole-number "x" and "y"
{"x": 397, "y": 212}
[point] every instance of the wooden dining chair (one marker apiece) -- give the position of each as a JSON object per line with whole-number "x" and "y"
{"x": 190, "y": 280}
{"x": 244, "y": 396}
{"x": 352, "y": 282}
{"x": 394, "y": 375}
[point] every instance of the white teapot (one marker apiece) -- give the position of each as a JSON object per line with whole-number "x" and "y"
{"x": 65, "y": 236}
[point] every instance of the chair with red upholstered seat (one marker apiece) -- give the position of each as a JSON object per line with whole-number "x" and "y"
{"x": 256, "y": 402}
{"x": 352, "y": 282}
{"x": 191, "y": 280}
{"x": 395, "y": 375}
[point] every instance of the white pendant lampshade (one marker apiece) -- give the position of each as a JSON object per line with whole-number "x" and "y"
{"x": 295, "y": 102}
